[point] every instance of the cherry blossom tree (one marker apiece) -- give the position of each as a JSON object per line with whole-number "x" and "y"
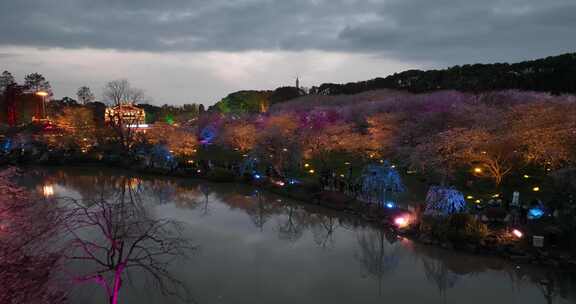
{"x": 78, "y": 125}
{"x": 279, "y": 143}
{"x": 241, "y": 135}
{"x": 180, "y": 141}
{"x": 490, "y": 154}
{"x": 546, "y": 132}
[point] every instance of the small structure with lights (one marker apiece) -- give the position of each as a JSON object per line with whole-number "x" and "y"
{"x": 127, "y": 115}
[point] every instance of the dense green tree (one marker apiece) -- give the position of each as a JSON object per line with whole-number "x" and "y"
{"x": 36, "y": 82}
{"x": 85, "y": 95}
{"x": 244, "y": 102}
{"x": 284, "y": 93}
{"x": 6, "y": 79}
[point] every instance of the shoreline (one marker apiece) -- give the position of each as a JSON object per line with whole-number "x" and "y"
{"x": 379, "y": 217}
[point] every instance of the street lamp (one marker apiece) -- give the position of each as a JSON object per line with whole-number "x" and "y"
{"x": 43, "y": 94}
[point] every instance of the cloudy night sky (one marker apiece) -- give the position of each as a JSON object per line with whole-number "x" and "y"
{"x": 182, "y": 51}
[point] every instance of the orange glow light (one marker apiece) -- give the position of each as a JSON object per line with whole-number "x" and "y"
{"x": 48, "y": 190}
{"x": 401, "y": 222}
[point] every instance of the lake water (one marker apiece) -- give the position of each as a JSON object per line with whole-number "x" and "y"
{"x": 255, "y": 247}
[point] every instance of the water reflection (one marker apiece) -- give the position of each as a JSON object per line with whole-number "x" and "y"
{"x": 324, "y": 230}
{"x": 378, "y": 256}
{"x": 112, "y": 238}
{"x": 292, "y": 223}
{"x": 257, "y": 247}
{"x": 26, "y": 257}
{"x": 48, "y": 190}
{"x": 261, "y": 211}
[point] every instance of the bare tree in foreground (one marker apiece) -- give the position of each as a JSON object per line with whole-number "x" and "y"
{"x": 116, "y": 237}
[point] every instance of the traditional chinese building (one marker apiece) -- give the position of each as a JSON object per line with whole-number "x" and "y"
{"x": 126, "y": 114}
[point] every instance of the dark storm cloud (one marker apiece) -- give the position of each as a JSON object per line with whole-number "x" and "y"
{"x": 432, "y": 30}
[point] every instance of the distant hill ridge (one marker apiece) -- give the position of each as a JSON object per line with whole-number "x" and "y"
{"x": 555, "y": 74}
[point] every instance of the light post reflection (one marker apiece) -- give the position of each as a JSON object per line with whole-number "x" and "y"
{"x": 48, "y": 190}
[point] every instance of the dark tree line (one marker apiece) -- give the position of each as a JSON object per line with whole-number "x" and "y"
{"x": 255, "y": 101}
{"x": 552, "y": 74}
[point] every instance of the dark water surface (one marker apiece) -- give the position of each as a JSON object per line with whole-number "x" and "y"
{"x": 260, "y": 248}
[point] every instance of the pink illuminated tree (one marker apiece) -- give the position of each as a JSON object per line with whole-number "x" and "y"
{"x": 116, "y": 237}
{"x": 27, "y": 263}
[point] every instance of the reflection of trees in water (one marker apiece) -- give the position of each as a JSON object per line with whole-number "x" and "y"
{"x": 292, "y": 227}
{"x": 561, "y": 284}
{"x": 261, "y": 210}
{"x": 161, "y": 192}
{"x": 377, "y": 257}
{"x": 548, "y": 288}
{"x": 444, "y": 268}
{"x": 323, "y": 229}
{"x": 440, "y": 275}
{"x": 259, "y": 206}
{"x": 206, "y": 192}
{"x": 113, "y": 186}
{"x": 27, "y": 261}
{"x": 552, "y": 284}
{"x": 99, "y": 185}
{"x": 188, "y": 198}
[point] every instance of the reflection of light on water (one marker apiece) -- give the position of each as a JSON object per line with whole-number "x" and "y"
{"x": 406, "y": 243}
{"x": 134, "y": 183}
{"x": 48, "y": 190}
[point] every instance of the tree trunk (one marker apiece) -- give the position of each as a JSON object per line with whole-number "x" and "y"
{"x": 117, "y": 284}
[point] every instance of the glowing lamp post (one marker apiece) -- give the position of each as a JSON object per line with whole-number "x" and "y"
{"x": 478, "y": 170}
{"x": 43, "y": 94}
